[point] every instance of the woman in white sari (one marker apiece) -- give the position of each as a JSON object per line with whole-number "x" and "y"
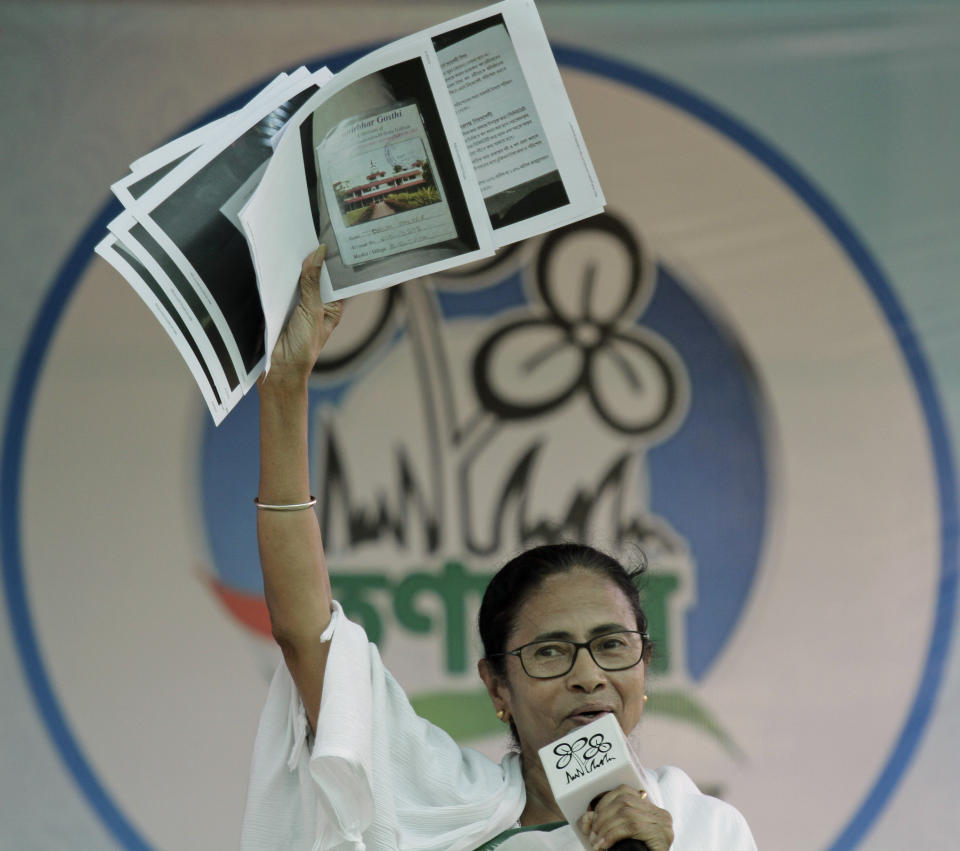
{"x": 341, "y": 760}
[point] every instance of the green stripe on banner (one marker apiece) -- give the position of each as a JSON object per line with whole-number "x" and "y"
{"x": 467, "y": 715}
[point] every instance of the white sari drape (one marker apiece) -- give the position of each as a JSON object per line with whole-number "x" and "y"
{"x": 378, "y": 777}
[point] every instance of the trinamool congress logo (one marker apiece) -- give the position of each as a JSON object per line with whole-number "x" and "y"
{"x": 714, "y": 371}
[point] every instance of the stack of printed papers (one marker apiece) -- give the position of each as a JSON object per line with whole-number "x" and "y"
{"x": 431, "y": 152}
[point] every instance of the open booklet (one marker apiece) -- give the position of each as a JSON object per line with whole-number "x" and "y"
{"x": 428, "y": 153}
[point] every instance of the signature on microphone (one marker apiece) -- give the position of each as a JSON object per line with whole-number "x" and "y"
{"x": 586, "y": 753}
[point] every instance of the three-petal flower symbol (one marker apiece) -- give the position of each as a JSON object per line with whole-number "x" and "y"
{"x": 584, "y": 338}
{"x": 595, "y": 746}
{"x": 567, "y": 752}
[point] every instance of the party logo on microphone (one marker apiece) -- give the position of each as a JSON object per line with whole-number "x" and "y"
{"x": 582, "y": 756}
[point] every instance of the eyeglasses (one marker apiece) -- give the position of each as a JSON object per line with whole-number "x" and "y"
{"x": 612, "y": 651}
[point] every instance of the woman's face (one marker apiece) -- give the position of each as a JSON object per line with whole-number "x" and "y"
{"x": 577, "y": 606}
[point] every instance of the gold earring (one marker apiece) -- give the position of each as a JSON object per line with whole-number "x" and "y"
{"x": 502, "y": 715}
{"x": 645, "y": 698}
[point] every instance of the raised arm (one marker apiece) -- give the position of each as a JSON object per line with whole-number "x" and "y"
{"x": 295, "y": 578}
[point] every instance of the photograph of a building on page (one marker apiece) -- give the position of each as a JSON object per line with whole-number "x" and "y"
{"x": 387, "y": 194}
{"x": 378, "y": 165}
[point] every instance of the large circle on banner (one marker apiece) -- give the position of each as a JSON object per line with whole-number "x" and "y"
{"x": 151, "y": 694}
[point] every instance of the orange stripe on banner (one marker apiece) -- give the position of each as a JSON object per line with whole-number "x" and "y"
{"x": 249, "y": 609}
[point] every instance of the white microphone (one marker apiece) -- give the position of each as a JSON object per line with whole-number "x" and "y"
{"x": 584, "y": 764}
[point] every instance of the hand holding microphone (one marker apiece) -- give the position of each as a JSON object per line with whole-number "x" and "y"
{"x": 624, "y": 811}
{"x": 598, "y": 787}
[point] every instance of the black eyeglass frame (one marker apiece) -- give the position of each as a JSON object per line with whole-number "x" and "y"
{"x": 577, "y": 647}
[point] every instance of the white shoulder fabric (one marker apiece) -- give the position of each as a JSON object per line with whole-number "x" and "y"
{"x": 379, "y": 777}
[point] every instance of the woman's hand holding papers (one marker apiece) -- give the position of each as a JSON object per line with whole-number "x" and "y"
{"x": 307, "y": 328}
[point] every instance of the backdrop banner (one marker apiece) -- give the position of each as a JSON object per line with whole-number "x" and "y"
{"x": 746, "y": 367}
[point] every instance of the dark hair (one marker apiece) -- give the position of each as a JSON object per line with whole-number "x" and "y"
{"x": 520, "y": 577}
